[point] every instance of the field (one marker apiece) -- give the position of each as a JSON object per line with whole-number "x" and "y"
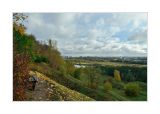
{"x": 105, "y": 69}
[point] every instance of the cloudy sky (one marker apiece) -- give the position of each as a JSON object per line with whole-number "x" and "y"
{"x": 92, "y": 34}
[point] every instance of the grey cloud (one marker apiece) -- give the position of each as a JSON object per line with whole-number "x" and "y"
{"x": 139, "y": 37}
{"x": 96, "y": 38}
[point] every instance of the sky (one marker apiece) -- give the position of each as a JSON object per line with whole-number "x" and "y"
{"x": 92, "y": 34}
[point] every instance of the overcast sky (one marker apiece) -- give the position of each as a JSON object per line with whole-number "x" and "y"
{"x": 92, "y": 34}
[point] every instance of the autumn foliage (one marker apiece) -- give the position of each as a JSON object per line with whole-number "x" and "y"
{"x": 20, "y": 58}
{"x": 27, "y": 50}
{"x": 20, "y": 74}
{"x": 96, "y": 79}
{"x": 117, "y": 75}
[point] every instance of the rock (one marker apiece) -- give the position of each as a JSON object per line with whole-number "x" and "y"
{"x": 52, "y": 85}
{"x": 40, "y": 98}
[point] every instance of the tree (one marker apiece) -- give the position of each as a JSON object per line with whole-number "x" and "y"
{"x": 117, "y": 75}
{"x": 52, "y": 44}
{"x": 129, "y": 77}
{"x": 77, "y": 73}
{"x": 70, "y": 68}
{"x": 20, "y": 58}
{"x": 18, "y": 19}
{"x": 93, "y": 77}
{"x": 55, "y": 59}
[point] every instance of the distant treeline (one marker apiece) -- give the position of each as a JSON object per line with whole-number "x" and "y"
{"x": 127, "y": 60}
{"x": 128, "y": 74}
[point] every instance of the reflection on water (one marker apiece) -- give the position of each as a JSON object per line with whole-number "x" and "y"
{"x": 79, "y": 66}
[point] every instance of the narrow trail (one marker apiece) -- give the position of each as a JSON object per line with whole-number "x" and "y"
{"x": 41, "y": 93}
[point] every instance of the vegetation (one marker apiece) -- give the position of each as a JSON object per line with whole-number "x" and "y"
{"x": 20, "y": 75}
{"x": 77, "y": 73}
{"x": 117, "y": 75}
{"x": 132, "y": 89}
{"x": 101, "y": 79}
{"x": 21, "y": 57}
{"x": 107, "y": 86}
{"x": 57, "y": 91}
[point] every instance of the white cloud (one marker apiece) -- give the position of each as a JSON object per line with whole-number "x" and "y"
{"x": 100, "y": 22}
{"x": 92, "y": 34}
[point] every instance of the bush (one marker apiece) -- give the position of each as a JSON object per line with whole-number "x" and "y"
{"x": 107, "y": 86}
{"x": 20, "y": 75}
{"x": 132, "y": 89}
{"x": 77, "y": 73}
{"x": 39, "y": 59}
{"x": 110, "y": 79}
{"x": 94, "y": 85}
{"x": 142, "y": 85}
{"x": 118, "y": 85}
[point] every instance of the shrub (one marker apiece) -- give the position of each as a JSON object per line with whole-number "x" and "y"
{"x": 132, "y": 89}
{"x": 39, "y": 59}
{"x": 142, "y": 85}
{"x": 118, "y": 85}
{"x": 110, "y": 79}
{"x": 20, "y": 74}
{"x": 107, "y": 86}
{"x": 77, "y": 73}
{"x": 117, "y": 75}
{"x": 94, "y": 85}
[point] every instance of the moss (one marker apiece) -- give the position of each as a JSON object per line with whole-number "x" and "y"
{"x": 61, "y": 93}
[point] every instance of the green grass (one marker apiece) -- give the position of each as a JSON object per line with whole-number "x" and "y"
{"x": 117, "y": 95}
{"x": 141, "y": 97}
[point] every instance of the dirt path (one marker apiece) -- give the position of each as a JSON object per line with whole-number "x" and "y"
{"x": 41, "y": 92}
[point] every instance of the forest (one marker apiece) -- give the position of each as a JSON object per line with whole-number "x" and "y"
{"x": 61, "y": 78}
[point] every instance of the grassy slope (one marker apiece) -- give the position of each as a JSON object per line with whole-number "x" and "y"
{"x": 121, "y": 96}
{"x": 71, "y": 83}
{"x": 60, "y": 92}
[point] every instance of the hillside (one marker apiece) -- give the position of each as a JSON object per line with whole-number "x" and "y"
{"x": 103, "y": 79}
{"x": 49, "y": 90}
